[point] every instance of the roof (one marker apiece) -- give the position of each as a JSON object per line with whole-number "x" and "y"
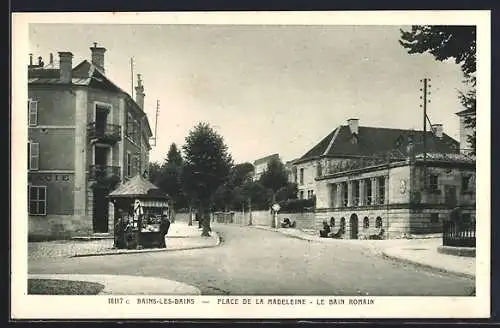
{"x": 138, "y": 186}
{"x": 466, "y": 158}
{"x": 83, "y": 74}
{"x": 466, "y": 112}
{"x": 373, "y": 141}
{"x": 266, "y": 159}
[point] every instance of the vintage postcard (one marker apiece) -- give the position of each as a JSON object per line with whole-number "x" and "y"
{"x": 263, "y": 165}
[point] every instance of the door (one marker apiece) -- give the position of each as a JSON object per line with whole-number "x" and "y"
{"x": 450, "y": 194}
{"x": 101, "y": 120}
{"x": 354, "y": 226}
{"x": 100, "y": 210}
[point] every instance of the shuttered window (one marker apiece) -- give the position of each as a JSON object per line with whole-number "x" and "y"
{"x": 32, "y": 112}
{"x": 33, "y": 155}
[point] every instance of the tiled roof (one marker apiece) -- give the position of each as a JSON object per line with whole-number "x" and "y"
{"x": 136, "y": 187}
{"x": 448, "y": 157}
{"x": 372, "y": 141}
{"x": 84, "y": 74}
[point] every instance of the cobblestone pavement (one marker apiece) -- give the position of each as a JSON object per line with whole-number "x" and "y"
{"x": 69, "y": 248}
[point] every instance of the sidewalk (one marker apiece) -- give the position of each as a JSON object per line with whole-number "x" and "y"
{"x": 420, "y": 252}
{"x": 127, "y": 285}
{"x": 180, "y": 237}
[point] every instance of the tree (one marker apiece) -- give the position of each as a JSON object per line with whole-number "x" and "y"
{"x": 168, "y": 176}
{"x": 155, "y": 173}
{"x": 273, "y": 178}
{"x": 288, "y": 191}
{"x": 445, "y": 42}
{"x": 207, "y": 164}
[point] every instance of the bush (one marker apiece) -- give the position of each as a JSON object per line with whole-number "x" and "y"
{"x": 297, "y": 205}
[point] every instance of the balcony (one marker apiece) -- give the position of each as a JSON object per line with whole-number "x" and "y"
{"x": 100, "y": 172}
{"x": 107, "y": 133}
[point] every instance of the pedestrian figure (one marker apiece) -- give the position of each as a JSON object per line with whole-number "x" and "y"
{"x": 323, "y": 233}
{"x": 164, "y": 227}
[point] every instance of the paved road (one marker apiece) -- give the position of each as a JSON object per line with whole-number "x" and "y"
{"x": 258, "y": 262}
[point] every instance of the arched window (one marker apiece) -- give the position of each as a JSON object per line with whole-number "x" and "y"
{"x": 332, "y": 221}
{"x": 342, "y": 223}
{"x": 366, "y": 223}
{"x": 378, "y": 222}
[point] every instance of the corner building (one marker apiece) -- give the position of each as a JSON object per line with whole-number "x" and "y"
{"x": 85, "y": 136}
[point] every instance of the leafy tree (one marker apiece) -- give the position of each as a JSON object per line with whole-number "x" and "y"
{"x": 155, "y": 173}
{"x": 174, "y": 156}
{"x": 207, "y": 164}
{"x": 288, "y": 191}
{"x": 445, "y": 42}
{"x": 275, "y": 176}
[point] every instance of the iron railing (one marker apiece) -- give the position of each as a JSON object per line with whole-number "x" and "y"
{"x": 98, "y": 172}
{"x": 104, "y": 132}
{"x": 459, "y": 234}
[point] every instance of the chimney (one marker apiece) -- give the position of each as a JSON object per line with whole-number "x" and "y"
{"x": 51, "y": 58}
{"x": 353, "y": 125}
{"x": 31, "y": 60}
{"x": 438, "y": 130}
{"x": 410, "y": 149}
{"x": 40, "y": 61}
{"x": 139, "y": 92}
{"x": 65, "y": 66}
{"x": 98, "y": 56}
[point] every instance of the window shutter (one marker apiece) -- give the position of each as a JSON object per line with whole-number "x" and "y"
{"x": 34, "y": 156}
{"x": 33, "y": 112}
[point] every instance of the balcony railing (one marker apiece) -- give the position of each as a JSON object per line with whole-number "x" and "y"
{"x": 104, "y": 132}
{"x": 99, "y": 172}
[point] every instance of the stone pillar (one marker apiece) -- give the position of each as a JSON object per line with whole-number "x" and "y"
{"x": 80, "y": 161}
{"x": 361, "y": 192}
{"x": 349, "y": 193}
{"x": 374, "y": 190}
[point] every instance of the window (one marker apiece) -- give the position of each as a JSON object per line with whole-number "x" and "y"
{"x": 310, "y": 194}
{"x": 37, "y": 199}
{"x": 381, "y": 190}
{"x": 434, "y": 217}
{"x": 366, "y": 223}
{"x": 433, "y": 182}
{"x": 33, "y": 155}
{"x": 368, "y": 191}
{"x": 465, "y": 183}
{"x": 129, "y": 164}
{"x": 319, "y": 170}
{"x": 378, "y": 222}
{"x": 294, "y": 174}
{"x": 301, "y": 194}
{"x": 333, "y": 195}
{"x": 302, "y": 176}
{"x": 32, "y": 112}
{"x": 355, "y": 198}
{"x": 344, "y": 194}
{"x": 466, "y": 218}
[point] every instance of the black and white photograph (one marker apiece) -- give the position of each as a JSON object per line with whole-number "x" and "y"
{"x": 251, "y": 165}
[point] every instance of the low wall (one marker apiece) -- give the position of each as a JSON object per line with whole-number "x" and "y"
{"x": 264, "y": 218}
{"x": 58, "y": 226}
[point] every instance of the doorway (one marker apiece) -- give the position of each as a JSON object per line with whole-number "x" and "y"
{"x": 101, "y": 120}
{"x": 353, "y": 223}
{"x": 450, "y": 194}
{"x": 100, "y": 210}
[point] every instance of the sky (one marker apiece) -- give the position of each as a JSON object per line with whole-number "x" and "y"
{"x": 265, "y": 89}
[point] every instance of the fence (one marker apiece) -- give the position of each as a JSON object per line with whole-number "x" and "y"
{"x": 459, "y": 234}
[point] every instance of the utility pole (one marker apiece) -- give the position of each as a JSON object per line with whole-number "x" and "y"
{"x": 132, "y": 76}
{"x": 425, "y": 92}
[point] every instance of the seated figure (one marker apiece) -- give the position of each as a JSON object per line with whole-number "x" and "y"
{"x": 287, "y": 224}
{"x": 323, "y": 233}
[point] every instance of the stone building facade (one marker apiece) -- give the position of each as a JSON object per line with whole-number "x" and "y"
{"x": 85, "y": 135}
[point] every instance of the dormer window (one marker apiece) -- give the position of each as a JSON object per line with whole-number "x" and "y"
{"x": 354, "y": 138}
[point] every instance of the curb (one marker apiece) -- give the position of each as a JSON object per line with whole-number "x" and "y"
{"x": 427, "y": 266}
{"x": 154, "y": 250}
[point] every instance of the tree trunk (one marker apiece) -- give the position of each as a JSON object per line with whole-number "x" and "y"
{"x": 205, "y": 219}
{"x": 273, "y": 223}
{"x": 190, "y": 219}
{"x": 250, "y": 211}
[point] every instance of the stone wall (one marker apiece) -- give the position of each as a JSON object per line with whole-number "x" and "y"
{"x": 58, "y": 226}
